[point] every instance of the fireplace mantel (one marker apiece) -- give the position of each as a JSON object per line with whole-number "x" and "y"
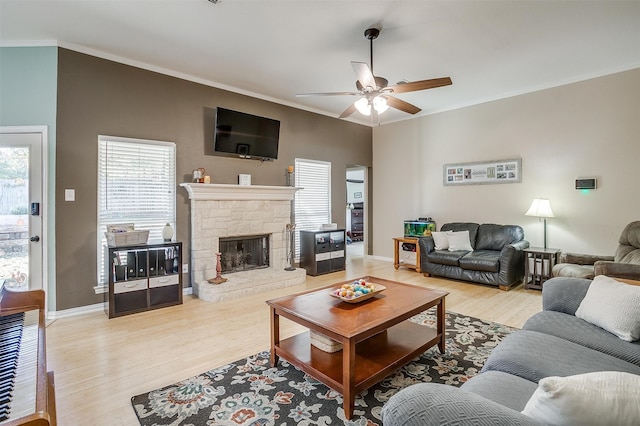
{"x": 216, "y": 191}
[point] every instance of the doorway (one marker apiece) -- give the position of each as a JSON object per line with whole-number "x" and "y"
{"x": 356, "y": 217}
{"x": 23, "y": 207}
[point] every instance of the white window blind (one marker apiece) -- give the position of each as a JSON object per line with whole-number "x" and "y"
{"x": 313, "y": 201}
{"x": 136, "y": 184}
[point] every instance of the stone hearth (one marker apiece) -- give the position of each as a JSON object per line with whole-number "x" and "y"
{"x": 221, "y": 211}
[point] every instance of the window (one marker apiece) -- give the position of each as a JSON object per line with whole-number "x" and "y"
{"x": 136, "y": 184}
{"x": 313, "y": 201}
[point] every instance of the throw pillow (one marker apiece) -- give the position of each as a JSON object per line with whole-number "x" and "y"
{"x": 441, "y": 240}
{"x": 600, "y": 398}
{"x": 612, "y": 305}
{"x": 459, "y": 241}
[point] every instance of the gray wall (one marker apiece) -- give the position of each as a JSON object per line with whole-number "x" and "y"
{"x": 586, "y": 129}
{"x": 97, "y": 96}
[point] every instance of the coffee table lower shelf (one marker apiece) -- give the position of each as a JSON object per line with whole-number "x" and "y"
{"x": 376, "y": 357}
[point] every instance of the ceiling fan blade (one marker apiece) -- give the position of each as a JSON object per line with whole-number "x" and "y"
{"x": 402, "y": 105}
{"x": 414, "y": 86}
{"x": 347, "y": 112}
{"x": 329, "y": 94}
{"x": 365, "y": 76}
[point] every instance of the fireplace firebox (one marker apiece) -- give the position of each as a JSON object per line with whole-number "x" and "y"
{"x": 244, "y": 253}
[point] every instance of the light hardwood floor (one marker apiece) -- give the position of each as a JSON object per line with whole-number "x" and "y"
{"x": 100, "y": 364}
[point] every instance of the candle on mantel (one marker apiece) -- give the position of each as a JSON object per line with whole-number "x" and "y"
{"x": 290, "y": 180}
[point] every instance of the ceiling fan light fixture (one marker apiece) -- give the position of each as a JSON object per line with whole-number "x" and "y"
{"x": 380, "y": 104}
{"x": 375, "y": 94}
{"x": 363, "y": 106}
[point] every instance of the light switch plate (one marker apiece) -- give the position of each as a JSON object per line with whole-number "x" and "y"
{"x": 69, "y": 194}
{"x": 244, "y": 179}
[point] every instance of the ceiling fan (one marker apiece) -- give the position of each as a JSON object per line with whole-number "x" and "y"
{"x": 375, "y": 91}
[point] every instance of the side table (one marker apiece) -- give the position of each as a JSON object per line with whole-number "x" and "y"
{"x": 538, "y": 265}
{"x": 396, "y": 253}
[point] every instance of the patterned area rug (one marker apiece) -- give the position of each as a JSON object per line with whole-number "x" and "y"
{"x": 251, "y": 393}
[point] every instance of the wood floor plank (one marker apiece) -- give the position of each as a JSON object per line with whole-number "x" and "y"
{"x": 100, "y": 363}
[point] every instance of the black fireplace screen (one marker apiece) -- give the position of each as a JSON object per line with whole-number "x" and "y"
{"x": 244, "y": 253}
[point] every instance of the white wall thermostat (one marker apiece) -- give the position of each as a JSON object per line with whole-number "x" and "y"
{"x": 586, "y": 183}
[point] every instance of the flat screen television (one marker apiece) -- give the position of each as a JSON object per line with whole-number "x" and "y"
{"x": 238, "y": 134}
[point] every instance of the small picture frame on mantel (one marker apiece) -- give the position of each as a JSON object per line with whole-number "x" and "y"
{"x": 244, "y": 179}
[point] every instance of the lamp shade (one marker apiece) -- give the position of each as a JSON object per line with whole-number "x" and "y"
{"x": 540, "y": 207}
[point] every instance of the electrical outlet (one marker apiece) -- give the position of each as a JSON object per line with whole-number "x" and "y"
{"x": 185, "y": 268}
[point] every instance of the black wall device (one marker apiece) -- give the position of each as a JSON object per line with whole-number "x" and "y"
{"x": 586, "y": 183}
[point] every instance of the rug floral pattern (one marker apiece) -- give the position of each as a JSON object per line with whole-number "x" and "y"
{"x": 250, "y": 392}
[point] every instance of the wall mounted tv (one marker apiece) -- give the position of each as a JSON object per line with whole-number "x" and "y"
{"x": 238, "y": 134}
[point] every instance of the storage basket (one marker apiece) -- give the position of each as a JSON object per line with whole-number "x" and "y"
{"x": 129, "y": 238}
{"x": 324, "y": 343}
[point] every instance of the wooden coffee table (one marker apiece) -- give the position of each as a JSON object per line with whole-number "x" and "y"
{"x": 377, "y": 339}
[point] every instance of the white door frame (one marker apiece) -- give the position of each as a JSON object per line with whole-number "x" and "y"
{"x": 365, "y": 211}
{"x": 44, "y": 240}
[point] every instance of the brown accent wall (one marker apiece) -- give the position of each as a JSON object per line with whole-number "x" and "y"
{"x": 101, "y": 97}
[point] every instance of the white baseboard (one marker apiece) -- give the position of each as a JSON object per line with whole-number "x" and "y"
{"x": 52, "y": 316}
{"x": 382, "y": 258}
{"x": 75, "y": 311}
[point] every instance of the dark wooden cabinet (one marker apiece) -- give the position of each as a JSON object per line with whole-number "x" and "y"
{"x": 142, "y": 277}
{"x": 322, "y": 252}
{"x": 357, "y": 222}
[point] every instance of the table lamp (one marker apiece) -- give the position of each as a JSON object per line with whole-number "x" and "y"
{"x": 541, "y": 208}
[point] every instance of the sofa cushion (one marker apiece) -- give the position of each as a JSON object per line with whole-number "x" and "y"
{"x": 533, "y": 356}
{"x": 463, "y": 226}
{"x": 440, "y": 240}
{"x": 504, "y": 388}
{"x": 579, "y": 331}
{"x": 459, "y": 241}
{"x": 445, "y": 257}
{"x": 573, "y": 270}
{"x": 612, "y": 305}
{"x": 481, "y": 260}
{"x": 600, "y": 398}
{"x": 495, "y": 237}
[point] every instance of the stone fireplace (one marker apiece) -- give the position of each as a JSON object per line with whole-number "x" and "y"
{"x": 221, "y": 213}
{"x": 244, "y": 253}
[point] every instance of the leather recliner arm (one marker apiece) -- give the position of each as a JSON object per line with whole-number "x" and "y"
{"x": 582, "y": 259}
{"x": 628, "y": 271}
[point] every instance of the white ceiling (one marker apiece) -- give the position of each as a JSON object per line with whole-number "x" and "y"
{"x": 273, "y": 49}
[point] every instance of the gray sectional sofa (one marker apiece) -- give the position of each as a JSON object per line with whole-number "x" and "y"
{"x": 496, "y": 259}
{"x": 553, "y": 342}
